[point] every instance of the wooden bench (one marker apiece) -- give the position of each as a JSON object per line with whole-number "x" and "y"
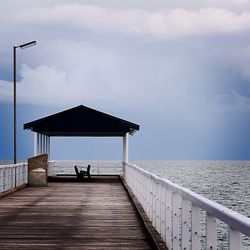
{"x": 80, "y": 174}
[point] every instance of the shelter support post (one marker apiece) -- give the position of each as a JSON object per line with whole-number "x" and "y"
{"x": 36, "y": 143}
{"x": 41, "y": 151}
{"x": 44, "y": 144}
{"x": 39, "y": 143}
{"x": 48, "y": 146}
{"x": 125, "y": 148}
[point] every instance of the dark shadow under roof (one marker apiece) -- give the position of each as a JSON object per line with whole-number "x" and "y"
{"x": 82, "y": 121}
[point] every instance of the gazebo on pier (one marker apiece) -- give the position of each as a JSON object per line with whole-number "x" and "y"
{"x": 76, "y": 122}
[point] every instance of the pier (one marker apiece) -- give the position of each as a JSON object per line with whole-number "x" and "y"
{"x": 94, "y": 214}
{"x": 134, "y": 210}
{"x": 129, "y": 209}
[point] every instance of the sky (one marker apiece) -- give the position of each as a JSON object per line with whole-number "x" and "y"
{"x": 180, "y": 69}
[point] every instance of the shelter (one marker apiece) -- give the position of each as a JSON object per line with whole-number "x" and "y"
{"x": 79, "y": 121}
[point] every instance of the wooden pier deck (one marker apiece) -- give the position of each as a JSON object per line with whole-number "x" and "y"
{"x": 95, "y": 214}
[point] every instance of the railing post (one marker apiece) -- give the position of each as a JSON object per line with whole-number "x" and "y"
{"x": 26, "y": 173}
{"x": 154, "y": 203}
{"x": 8, "y": 178}
{"x": 176, "y": 223}
{"x": 4, "y": 178}
{"x": 18, "y": 176}
{"x": 196, "y": 243}
{"x": 158, "y": 206}
{"x": 234, "y": 239}
{"x": 148, "y": 197}
{"x": 1, "y": 179}
{"x": 15, "y": 173}
{"x": 186, "y": 227}
{"x": 137, "y": 192}
{"x": 151, "y": 199}
{"x": 211, "y": 232}
{"x": 163, "y": 211}
{"x": 169, "y": 224}
{"x": 141, "y": 188}
{"x": 144, "y": 192}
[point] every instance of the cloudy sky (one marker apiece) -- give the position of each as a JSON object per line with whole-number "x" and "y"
{"x": 180, "y": 69}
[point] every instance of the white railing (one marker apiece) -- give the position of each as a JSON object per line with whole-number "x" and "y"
{"x": 175, "y": 212}
{"x": 12, "y": 176}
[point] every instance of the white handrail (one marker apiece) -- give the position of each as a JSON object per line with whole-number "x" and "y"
{"x": 12, "y": 176}
{"x": 159, "y": 198}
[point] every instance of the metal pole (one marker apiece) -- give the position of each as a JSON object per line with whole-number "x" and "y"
{"x": 14, "y": 80}
{"x": 22, "y": 46}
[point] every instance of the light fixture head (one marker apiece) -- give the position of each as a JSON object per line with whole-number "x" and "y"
{"x": 27, "y": 45}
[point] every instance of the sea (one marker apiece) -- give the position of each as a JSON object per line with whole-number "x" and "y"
{"x": 225, "y": 182}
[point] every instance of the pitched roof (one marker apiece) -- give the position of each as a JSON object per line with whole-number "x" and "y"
{"x": 82, "y": 121}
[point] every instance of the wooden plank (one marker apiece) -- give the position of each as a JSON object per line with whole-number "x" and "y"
{"x": 94, "y": 214}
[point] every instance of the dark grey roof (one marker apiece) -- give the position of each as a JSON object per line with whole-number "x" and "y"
{"x": 82, "y": 121}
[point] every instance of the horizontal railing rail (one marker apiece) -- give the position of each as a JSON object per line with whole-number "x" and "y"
{"x": 175, "y": 212}
{"x": 12, "y": 176}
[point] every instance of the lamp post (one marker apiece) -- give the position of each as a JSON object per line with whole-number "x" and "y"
{"x": 22, "y": 46}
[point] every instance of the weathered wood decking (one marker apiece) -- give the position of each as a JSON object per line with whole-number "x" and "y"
{"x": 89, "y": 215}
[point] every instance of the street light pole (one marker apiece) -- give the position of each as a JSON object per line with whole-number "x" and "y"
{"x": 14, "y": 79}
{"x": 22, "y": 46}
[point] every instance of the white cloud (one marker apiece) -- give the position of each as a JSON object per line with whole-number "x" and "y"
{"x": 68, "y": 68}
{"x": 49, "y": 85}
{"x": 240, "y": 1}
{"x": 157, "y": 24}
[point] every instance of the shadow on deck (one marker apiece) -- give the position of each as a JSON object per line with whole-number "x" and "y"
{"x": 94, "y": 214}
{"x": 93, "y": 179}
